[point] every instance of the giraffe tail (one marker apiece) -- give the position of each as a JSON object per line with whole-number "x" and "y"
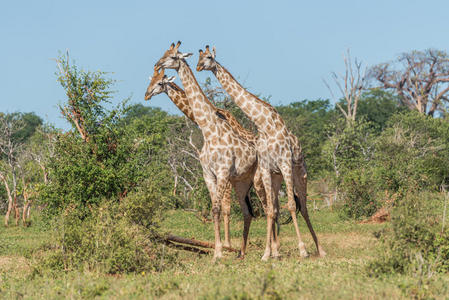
{"x": 298, "y": 209}
{"x": 250, "y": 207}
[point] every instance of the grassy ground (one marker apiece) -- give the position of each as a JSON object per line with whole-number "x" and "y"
{"x": 341, "y": 275}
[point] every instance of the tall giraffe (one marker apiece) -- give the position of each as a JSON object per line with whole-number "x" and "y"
{"x": 278, "y": 149}
{"x": 226, "y": 157}
{"x": 160, "y": 83}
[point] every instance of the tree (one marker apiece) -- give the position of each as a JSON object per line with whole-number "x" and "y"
{"x": 420, "y": 78}
{"x": 11, "y": 125}
{"x": 86, "y": 93}
{"x": 351, "y": 86}
{"x": 377, "y": 106}
{"x": 308, "y": 120}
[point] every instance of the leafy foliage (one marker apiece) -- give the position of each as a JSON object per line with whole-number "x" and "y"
{"x": 416, "y": 242}
{"x": 308, "y": 120}
{"x": 117, "y": 237}
{"x": 108, "y": 180}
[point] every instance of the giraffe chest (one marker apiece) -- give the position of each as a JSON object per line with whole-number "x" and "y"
{"x": 273, "y": 152}
{"x": 236, "y": 159}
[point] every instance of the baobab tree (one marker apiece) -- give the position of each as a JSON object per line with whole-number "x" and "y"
{"x": 420, "y": 79}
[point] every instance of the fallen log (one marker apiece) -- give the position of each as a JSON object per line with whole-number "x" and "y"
{"x": 193, "y": 242}
{"x": 186, "y": 248}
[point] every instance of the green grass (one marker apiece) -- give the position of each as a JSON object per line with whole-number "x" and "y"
{"x": 341, "y": 275}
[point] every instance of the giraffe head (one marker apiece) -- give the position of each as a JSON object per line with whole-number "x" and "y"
{"x": 172, "y": 58}
{"x": 158, "y": 84}
{"x": 206, "y": 61}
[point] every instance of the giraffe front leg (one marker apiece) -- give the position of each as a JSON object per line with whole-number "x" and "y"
{"x": 226, "y": 209}
{"x": 222, "y": 184}
{"x": 261, "y": 194}
{"x": 276, "y": 181}
{"x": 212, "y": 186}
{"x": 266, "y": 177}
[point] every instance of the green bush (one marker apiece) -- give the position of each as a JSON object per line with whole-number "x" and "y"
{"x": 359, "y": 189}
{"x": 115, "y": 238}
{"x": 413, "y": 153}
{"x": 416, "y": 241}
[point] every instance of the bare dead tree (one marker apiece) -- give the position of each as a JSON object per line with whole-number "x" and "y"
{"x": 28, "y": 194}
{"x": 420, "y": 78}
{"x": 184, "y": 160}
{"x": 44, "y": 150}
{"x": 10, "y": 147}
{"x": 350, "y": 85}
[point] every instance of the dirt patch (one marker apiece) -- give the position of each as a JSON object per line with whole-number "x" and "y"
{"x": 14, "y": 264}
{"x": 381, "y": 216}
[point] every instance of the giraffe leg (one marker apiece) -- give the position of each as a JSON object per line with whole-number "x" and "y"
{"x": 300, "y": 181}
{"x": 222, "y": 184}
{"x": 287, "y": 172}
{"x": 259, "y": 188}
{"x": 212, "y": 186}
{"x": 266, "y": 177}
{"x": 275, "y": 244}
{"x": 226, "y": 209}
{"x": 261, "y": 194}
{"x": 242, "y": 191}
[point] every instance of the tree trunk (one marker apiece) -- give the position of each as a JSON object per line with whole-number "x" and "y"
{"x": 16, "y": 210}
{"x": 10, "y": 200}
{"x": 194, "y": 242}
{"x": 26, "y": 209}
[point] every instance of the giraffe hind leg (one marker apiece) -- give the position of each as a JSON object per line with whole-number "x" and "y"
{"x": 287, "y": 173}
{"x": 300, "y": 181}
{"x": 241, "y": 190}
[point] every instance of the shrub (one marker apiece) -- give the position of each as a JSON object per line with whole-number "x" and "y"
{"x": 359, "y": 190}
{"x": 412, "y": 153}
{"x": 416, "y": 241}
{"x": 114, "y": 238}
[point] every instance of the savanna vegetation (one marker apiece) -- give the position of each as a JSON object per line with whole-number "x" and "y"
{"x": 87, "y": 210}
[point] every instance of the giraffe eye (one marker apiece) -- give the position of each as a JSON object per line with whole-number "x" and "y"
{"x": 209, "y": 57}
{"x": 160, "y": 83}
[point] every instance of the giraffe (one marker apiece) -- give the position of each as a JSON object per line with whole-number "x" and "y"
{"x": 160, "y": 83}
{"x": 226, "y": 157}
{"x": 279, "y": 151}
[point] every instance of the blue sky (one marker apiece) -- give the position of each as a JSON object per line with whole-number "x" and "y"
{"x": 281, "y": 49}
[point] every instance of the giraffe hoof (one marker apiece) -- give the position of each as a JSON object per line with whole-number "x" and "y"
{"x": 265, "y": 257}
{"x": 321, "y": 252}
{"x": 303, "y": 254}
{"x": 216, "y": 259}
{"x": 302, "y": 250}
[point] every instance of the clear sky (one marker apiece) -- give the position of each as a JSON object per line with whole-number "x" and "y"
{"x": 281, "y": 49}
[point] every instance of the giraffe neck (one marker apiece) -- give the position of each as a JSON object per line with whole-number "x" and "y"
{"x": 203, "y": 111}
{"x": 257, "y": 110}
{"x": 179, "y": 98}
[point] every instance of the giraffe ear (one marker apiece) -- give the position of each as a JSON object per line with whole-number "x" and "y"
{"x": 150, "y": 78}
{"x": 185, "y": 55}
{"x": 213, "y": 52}
{"x": 171, "y": 78}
